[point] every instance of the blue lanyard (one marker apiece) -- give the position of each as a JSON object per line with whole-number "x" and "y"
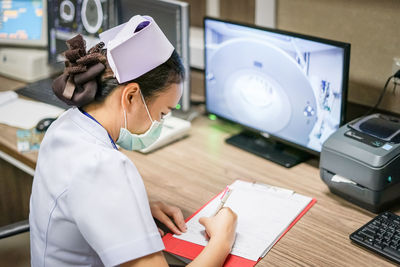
{"x": 90, "y": 116}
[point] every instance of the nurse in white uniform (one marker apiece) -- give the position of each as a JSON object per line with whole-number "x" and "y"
{"x": 89, "y": 206}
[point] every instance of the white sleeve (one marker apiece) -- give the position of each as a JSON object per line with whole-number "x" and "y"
{"x": 110, "y": 207}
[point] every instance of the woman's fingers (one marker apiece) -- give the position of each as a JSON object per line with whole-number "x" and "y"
{"x": 162, "y": 217}
{"x": 161, "y": 232}
{"x": 177, "y": 216}
{"x": 163, "y": 212}
{"x": 203, "y": 220}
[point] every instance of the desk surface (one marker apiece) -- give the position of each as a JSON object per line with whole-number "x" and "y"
{"x": 190, "y": 172}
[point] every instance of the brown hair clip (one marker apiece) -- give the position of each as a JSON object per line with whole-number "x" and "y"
{"x": 78, "y": 85}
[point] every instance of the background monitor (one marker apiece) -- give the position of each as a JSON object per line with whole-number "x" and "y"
{"x": 288, "y": 86}
{"x": 23, "y": 23}
{"x": 173, "y": 18}
{"x": 68, "y": 18}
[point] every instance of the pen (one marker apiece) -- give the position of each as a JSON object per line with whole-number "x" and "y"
{"x": 224, "y": 198}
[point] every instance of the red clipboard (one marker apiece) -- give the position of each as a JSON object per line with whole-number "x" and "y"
{"x": 190, "y": 250}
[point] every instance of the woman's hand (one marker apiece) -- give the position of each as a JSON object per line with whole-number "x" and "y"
{"x": 221, "y": 228}
{"x": 170, "y": 216}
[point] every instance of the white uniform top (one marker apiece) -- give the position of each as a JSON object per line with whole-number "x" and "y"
{"x": 88, "y": 206}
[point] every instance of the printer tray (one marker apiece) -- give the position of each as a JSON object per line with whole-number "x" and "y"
{"x": 375, "y": 201}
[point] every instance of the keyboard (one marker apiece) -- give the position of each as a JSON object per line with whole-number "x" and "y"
{"x": 381, "y": 235}
{"x": 42, "y": 91}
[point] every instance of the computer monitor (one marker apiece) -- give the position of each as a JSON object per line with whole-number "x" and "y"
{"x": 23, "y": 23}
{"x": 67, "y": 18}
{"x": 289, "y": 87}
{"x": 173, "y": 18}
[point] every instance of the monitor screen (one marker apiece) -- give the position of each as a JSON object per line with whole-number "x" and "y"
{"x": 289, "y": 86}
{"x": 173, "y": 18}
{"x": 67, "y": 18}
{"x": 23, "y": 22}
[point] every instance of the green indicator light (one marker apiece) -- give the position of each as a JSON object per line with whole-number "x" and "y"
{"x": 389, "y": 179}
{"x": 212, "y": 117}
{"x": 178, "y": 106}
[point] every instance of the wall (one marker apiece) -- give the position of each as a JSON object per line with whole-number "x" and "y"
{"x": 371, "y": 26}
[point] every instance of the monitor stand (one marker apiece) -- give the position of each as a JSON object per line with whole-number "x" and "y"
{"x": 275, "y": 151}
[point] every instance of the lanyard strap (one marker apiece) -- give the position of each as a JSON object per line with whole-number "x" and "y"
{"x": 109, "y": 136}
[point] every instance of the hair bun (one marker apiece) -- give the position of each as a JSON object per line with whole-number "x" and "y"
{"x": 78, "y": 86}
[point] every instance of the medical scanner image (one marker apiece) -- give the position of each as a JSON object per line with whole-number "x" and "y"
{"x": 277, "y": 84}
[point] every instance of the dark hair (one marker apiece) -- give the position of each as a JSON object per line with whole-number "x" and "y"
{"x": 151, "y": 83}
{"x": 89, "y": 78}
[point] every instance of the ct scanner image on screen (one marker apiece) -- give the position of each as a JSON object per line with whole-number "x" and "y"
{"x": 67, "y": 18}
{"x": 274, "y": 83}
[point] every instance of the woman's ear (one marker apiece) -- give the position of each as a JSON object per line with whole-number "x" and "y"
{"x": 130, "y": 95}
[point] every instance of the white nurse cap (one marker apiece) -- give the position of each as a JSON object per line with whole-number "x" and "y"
{"x": 135, "y": 47}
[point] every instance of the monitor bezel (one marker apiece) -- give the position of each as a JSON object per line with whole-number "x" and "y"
{"x": 183, "y": 8}
{"x": 345, "y": 80}
{"x": 42, "y": 43}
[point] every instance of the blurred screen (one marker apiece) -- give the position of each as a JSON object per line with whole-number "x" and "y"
{"x": 275, "y": 83}
{"x": 21, "y": 20}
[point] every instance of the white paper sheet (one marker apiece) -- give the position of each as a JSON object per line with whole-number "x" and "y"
{"x": 340, "y": 179}
{"x": 23, "y": 113}
{"x": 7, "y": 96}
{"x": 264, "y": 213}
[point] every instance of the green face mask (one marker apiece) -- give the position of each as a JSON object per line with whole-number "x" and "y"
{"x": 130, "y": 141}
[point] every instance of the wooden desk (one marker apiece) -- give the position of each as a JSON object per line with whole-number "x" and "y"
{"x": 15, "y": 184}
{"x": 190, "y": 172}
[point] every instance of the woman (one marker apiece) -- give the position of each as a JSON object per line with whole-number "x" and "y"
{"x": 89, "y": 206}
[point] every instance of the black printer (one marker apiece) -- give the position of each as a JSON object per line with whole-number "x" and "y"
{"x": 361, "y": 161}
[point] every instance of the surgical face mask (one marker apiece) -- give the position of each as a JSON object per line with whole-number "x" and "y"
{"x": 130, "y": 141}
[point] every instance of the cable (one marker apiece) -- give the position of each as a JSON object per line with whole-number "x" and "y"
{"x": 380, "y": 97}
{"x": 394, "y": 87}
{"x": 396, "y": 75}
